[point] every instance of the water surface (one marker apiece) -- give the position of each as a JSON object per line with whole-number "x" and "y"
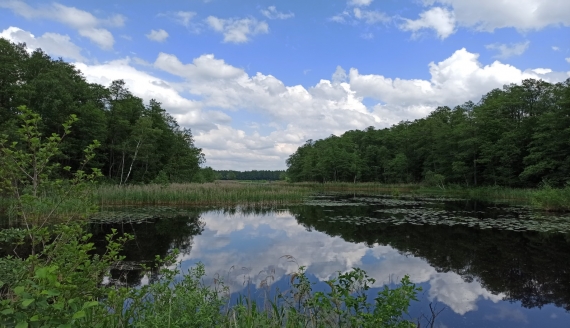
{"x": 486, "y": 265}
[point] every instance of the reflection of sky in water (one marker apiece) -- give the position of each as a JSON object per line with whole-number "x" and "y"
{"x": 251, "y": 247}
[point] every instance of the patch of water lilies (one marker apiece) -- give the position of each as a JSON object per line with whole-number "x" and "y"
{"x": 135, "y": 215}
{"x": 430, "y": 217}
{"x": 393, "y": 202}
{"x": 332, "y": 203}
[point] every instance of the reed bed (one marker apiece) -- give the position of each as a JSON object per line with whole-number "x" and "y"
{"x": 207, "y": 194}
{"x": 372, "y": 187}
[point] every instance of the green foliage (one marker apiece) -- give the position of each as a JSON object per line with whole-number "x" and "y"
{"x": 345, "y": 305}
{"x": 55, "y": 278}
{"x": 551, "y": 199}
{"x": 28, "y": 169}
{"x": 60, "y": 286}
{"x": 514, "y": 137}
{"x": 434, "y": 180}
{"x": 138, "y": 141}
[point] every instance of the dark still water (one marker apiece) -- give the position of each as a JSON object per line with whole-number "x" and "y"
{"x": 485, "y": 265}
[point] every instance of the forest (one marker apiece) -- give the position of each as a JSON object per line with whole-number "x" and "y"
{"x": 140, "y": 143}
{"x": 517, "y": 136}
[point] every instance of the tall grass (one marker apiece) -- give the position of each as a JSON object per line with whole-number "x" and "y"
{"x": 217, "y": 194}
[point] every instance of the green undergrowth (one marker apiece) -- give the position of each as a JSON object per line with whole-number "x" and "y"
{"x": 67, "y": 292}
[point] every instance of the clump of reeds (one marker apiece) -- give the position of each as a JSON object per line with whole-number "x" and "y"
{"x": 551, "y": 199}
{"x": 219, "y": 194}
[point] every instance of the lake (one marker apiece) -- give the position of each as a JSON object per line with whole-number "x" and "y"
{"x": 483, "y": 264}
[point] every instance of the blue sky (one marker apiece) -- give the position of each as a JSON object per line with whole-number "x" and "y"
{"x": 255, "y": 79}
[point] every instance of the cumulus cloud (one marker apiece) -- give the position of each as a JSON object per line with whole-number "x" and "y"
{"x": 288, "y": 115}
{"x": 361, "y": 15}
{"x": 371, "y": 16}
{"x": 341, "y": 18}
{"x": 184, "y": 17}
{"x": 205, "y": 67}
{"x": 157, "y": 35}
{"x": 359, "y": 3}
{"x": 272, "y": 13}
{"x": 457, "y": 79}
{"x": 508, "y": 50}
{"x": 441, "y": 20}
{"x": 488, "y": 15}
{"x": 56, "y": 45}
{"x": 237, "y": 30}
{"x": 84, "y": 22}
{"x": 296, "y": 113}
{"x": 568, "y": 59}
{"x": 142, "y": 84}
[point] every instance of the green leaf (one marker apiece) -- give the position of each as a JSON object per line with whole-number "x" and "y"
{"x": 90, "y": 304}
{"x": 79, "y": 314}
{"x": 50, "y": 292}
{"x": 22, "y": 325}
{"x": 7, "y": 311}
{"x": 27, "y": 302}
{"x": 35, "y": 318}
{"x": 19, "y": 290}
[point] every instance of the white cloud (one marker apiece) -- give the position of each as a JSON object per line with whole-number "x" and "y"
{"x": 371, "y": 16}
{"x": 272, "y": 13}
{"x": 488, "y": 15}
{"x": 455, "y": 80}
{"x": 339, "y": 75}
{"x": 184, "y": 17}
{"x": 157, "y": 35}
{"x": 439, "y": 19}
{"x": 359, "y": 3}
{"x": 508, "y": 50}
{"x": 291, "y": 114}
{"x": 341, "y": 18}
{"x": 142, "y": 84}
{"x": 205, "y": 67}
{"x": 357, "y": 15}
{"x": 56, "y": 45}
{"x": 568, "y": 59}
{"x": 84, "y": 22}
{"x": 555, "y": 48}
{"x": 294, "y": 114}
{"x": 237, "y": 30}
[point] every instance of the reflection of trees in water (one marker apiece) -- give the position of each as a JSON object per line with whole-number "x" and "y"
{"x": 529, "y": 267}
{"x": 157, "y": 236}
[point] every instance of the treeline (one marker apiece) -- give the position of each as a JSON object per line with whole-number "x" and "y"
{"x": 250, "y": 175}
{"x": 518, "y": 136}
{"x": 140, "y": 143}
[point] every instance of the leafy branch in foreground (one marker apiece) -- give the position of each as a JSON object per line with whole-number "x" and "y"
{"x": 27, "y": 170}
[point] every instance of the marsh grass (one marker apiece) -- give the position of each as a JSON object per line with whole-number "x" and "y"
{"x": 207, "y": 194}
{"x": 551, "y": 199}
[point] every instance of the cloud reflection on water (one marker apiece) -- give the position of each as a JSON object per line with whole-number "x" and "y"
{"x": 246, "y": 246}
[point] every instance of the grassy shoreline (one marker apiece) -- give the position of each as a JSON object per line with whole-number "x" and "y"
{"x": 224, "y": 193}
{"x": 206, "y": 194}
